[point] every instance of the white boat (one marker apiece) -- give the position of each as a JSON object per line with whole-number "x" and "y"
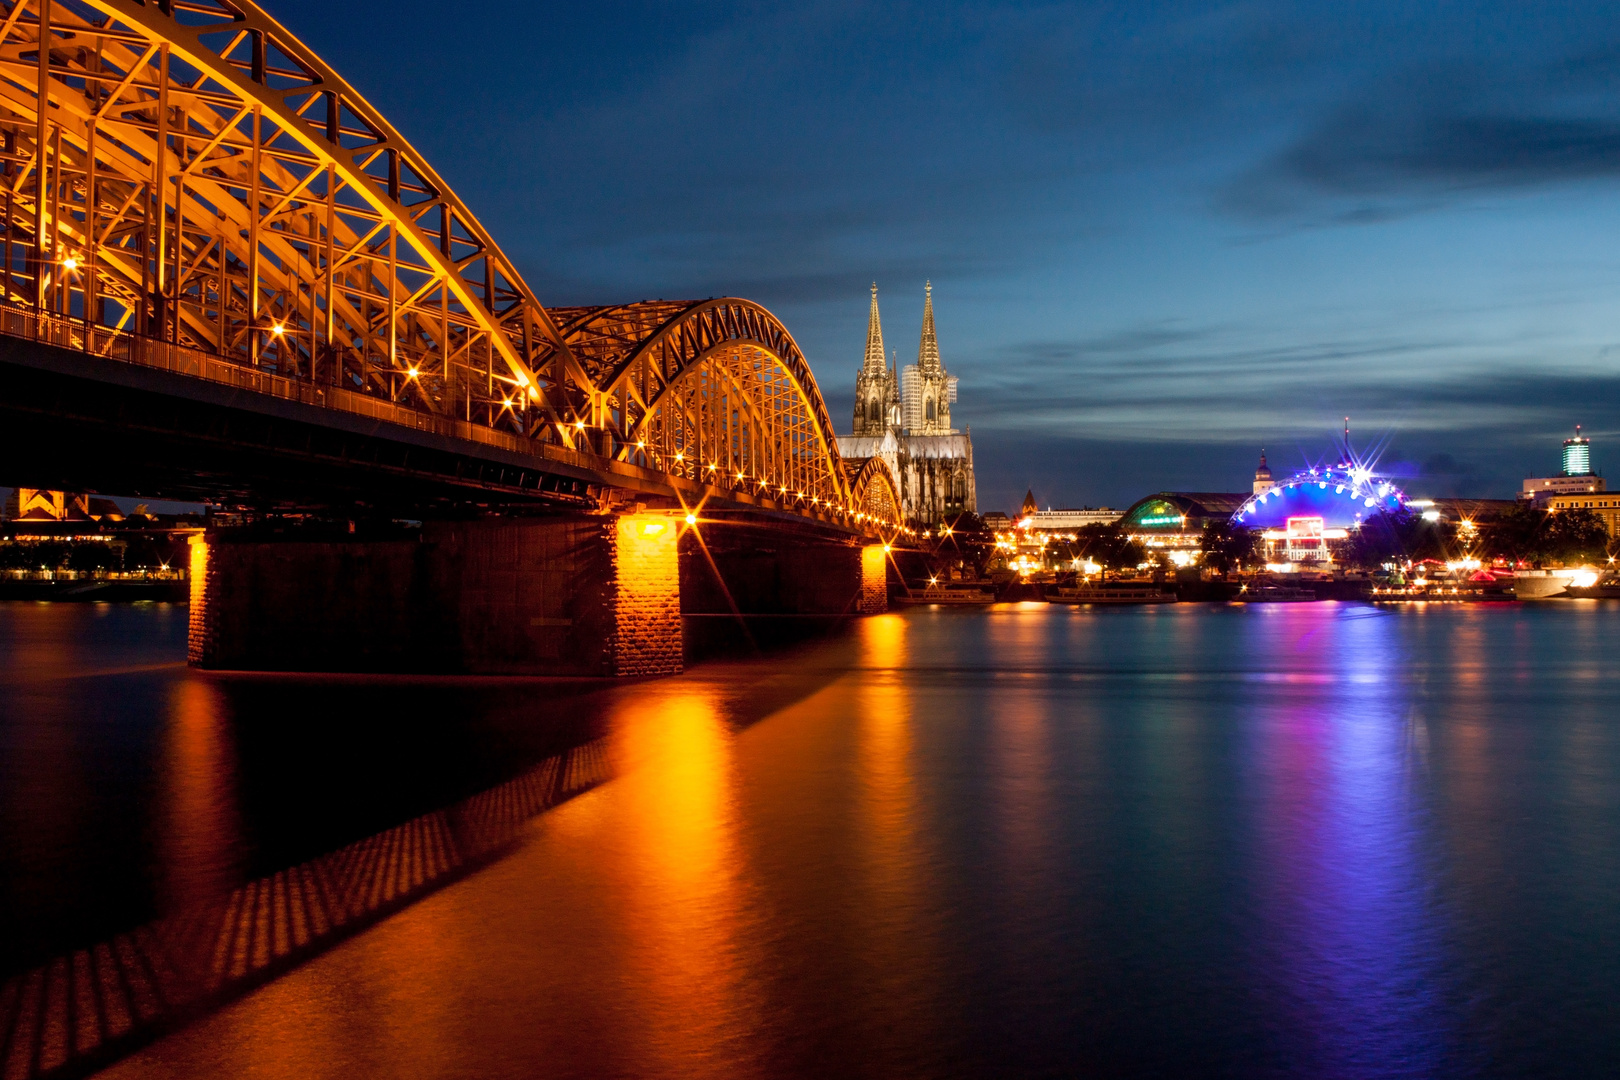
{"x": 1098, "y": 594}
{"x": 936, "y": 594}
{"x": 1541, "y": 584}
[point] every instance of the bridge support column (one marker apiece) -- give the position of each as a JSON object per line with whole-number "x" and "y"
{"x": 581, "y": 595}
{"x": 874, "y": 579}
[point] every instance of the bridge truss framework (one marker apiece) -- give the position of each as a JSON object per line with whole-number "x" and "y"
{"x": 200, "y": 192}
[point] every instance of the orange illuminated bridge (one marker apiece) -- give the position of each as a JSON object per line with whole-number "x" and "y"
{"x": 228, "y": 278}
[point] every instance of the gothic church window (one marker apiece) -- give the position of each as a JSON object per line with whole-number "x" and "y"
{"x": 928, "y": 409}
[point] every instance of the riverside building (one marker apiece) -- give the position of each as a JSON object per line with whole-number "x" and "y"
{"x": 904, "y": 417}
{"x": 1604, "y": 505}
{"x": 1304, "y": 518}
{"x": 1577, "y": 477}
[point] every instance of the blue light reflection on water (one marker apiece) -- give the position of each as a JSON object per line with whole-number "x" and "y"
{"x": 1349, "y": 961}
{"x": 1275, "y": 840}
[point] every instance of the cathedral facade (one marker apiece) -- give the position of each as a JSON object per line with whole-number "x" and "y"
{"x": 904, "y": 417}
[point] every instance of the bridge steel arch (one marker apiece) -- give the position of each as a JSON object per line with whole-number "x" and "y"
{"x": 208, "y": 181}
{"x": 187, "y": 172}
{"x": 875, "y": 491}
{"x": 715, "y": 391}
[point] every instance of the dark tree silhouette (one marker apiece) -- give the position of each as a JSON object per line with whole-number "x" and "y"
{"x": 1531, "y": 534}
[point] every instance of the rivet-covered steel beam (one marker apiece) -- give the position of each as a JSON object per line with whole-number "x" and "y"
{"x": 186, "y": 172}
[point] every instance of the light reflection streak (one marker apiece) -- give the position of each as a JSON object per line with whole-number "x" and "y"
{"x": 899, "y": 951}
{"x": 203, "y": 833}
{"x": 1353, "y": 947}
{"x": 671, "y": 843}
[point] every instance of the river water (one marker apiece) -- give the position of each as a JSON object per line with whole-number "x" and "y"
{"x": 1323, "y": 840}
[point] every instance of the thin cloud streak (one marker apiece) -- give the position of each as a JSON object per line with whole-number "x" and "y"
{"x": 1153, "y": 222}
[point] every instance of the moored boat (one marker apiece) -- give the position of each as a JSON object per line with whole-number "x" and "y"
{"x": 1103, "y": 594}
{"x": 1541, "y": 584}
{"x": 1275, "y": 594}
{"x": 939, "y": 595}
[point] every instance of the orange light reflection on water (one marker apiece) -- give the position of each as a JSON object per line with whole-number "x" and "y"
{"x": 670, "y": 850}
{"x": 202, "y": 833}
{"x": 886, "y": 798}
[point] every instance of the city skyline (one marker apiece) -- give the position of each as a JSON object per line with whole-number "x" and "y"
{"x": 1161, "y": 236}
{"x": 589, "y": 643}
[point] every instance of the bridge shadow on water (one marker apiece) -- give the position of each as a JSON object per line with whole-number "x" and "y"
{"x": 90, "y": 1005}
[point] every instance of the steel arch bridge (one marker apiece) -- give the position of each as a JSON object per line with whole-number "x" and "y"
{"x": 187, "y": 186}
{"x": 874, "y": 490}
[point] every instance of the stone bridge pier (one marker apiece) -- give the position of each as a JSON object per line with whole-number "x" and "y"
{"x": 580, "y": 594}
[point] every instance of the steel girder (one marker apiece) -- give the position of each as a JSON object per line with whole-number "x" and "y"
{"x": 875, "y": 491}
{"x": 713, "y": 390}
{"x": 201, "y": 178}
{"x": 209, "y": 181}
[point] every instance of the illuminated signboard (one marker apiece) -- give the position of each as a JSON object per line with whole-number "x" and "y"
{"x": 1157, "y": 513}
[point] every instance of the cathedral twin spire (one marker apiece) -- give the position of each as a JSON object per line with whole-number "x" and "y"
{"x": 917, "y": 400}
{"x": 903, "y": 414}
{"x": 927, "y": 348}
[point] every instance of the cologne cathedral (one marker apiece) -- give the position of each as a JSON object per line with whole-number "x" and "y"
{"x": 904, "y": 417}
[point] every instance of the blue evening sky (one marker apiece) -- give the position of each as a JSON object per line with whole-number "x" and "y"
{"x": 1161, "y": 235}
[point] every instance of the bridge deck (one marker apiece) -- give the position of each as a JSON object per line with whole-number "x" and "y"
{"x": 100, "y": 409}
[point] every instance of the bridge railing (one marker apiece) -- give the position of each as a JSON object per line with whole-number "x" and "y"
{"x": 131, "y": 348}
{"x": 120, "y": 345}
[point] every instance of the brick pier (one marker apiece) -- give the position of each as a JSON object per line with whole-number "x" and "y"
{"x": 597, "y": 595}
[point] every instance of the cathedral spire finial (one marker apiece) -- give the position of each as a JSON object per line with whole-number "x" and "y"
{"x": 928, "y": 348}
{"x": 874, "y": 338}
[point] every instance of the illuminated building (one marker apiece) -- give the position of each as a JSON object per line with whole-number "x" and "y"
{"x": 1578, "y": 455}
{"x": 906, "y": 420}
{"x": 1174, "y": 520}
{"x": 927, "y": 391}
{"x": 39, "y": 504}
{"x": 1577, "y": 477}
{"x": 1604, "y": 506}
{"x": 1067, "y": 520}
{"x": 1303, "y": 518}
{"x": 1262, "y": 477}
{"x": 877, "y": 391}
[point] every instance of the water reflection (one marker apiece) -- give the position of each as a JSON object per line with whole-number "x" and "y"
{"x": 894, "y": 933}
{"x": 670, "y": 845}
{"x": 201, "y": 839}
{"x": 1260, "y": 840}
{"x": 1352, "y": 954}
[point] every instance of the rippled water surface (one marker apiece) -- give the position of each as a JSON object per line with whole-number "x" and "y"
{"x": 1307, "y": 840}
